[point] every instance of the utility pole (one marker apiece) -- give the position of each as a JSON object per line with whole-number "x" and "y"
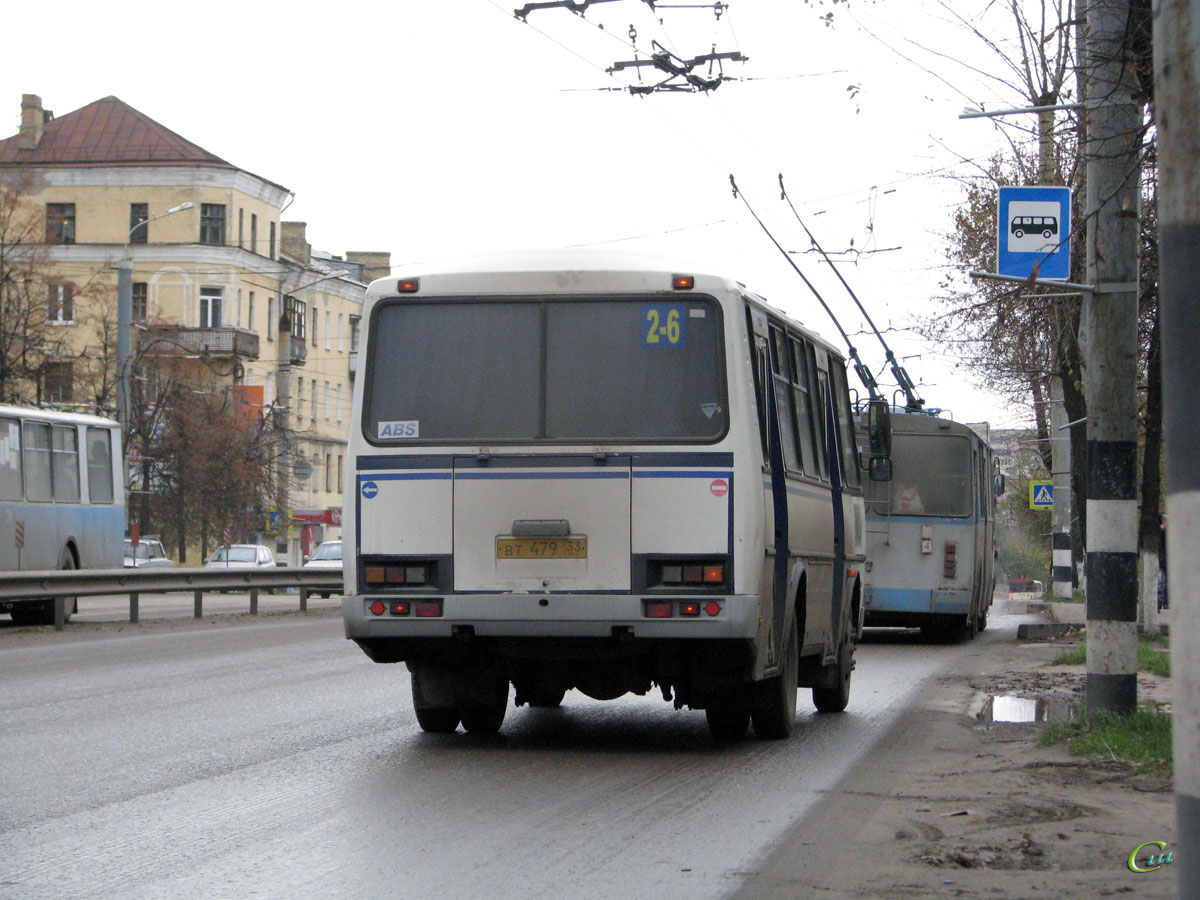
{"x": 1062, "y": 582}
{"x": 283, "y": 372}
{"x": 1109, "y": 326}
{"x": 1176, "y": 83}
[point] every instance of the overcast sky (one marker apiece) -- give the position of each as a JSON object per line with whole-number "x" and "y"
{"x": 434, "y": 128}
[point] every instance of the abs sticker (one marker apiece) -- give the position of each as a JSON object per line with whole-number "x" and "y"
{"x": 399, "y": 429}
{"x": 662, "y": 326}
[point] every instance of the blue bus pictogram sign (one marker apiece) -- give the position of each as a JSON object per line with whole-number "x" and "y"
{"x": 1034, "y": 229}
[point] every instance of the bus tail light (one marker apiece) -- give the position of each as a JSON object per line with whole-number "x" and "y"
{"x": 398, "y": 573}
{"x": 713, "y": 608}
{"x": 689, "y": 573}
{"x": 659, "y": 609}
{"x": 428, "y": 609}
{"x": 378, "y": 608}
{"x": 400, "y": 608}
{"x": 689, "y": 608}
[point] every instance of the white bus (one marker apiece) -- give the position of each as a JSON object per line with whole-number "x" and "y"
{"x": 578, "y": 471}
{"x": 62, "y": 498}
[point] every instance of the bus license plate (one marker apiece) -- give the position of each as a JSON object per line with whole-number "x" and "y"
{"x": 541, "y": 548}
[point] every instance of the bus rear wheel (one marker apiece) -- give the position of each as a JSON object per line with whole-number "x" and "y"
{"x": 487, "y": 719}
{"x": 776, "y": 717}
{"x": 835, "y": 698}
{"x": 727, "y": 723}
{"x": 432, "y": 719}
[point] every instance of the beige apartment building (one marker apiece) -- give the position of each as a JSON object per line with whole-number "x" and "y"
{"x": 214, "y": 265}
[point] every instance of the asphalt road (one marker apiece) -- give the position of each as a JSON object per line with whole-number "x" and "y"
{"x": 272, "y": 759}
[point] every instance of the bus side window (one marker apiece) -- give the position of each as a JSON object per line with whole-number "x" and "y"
{"x": 802, "y": 399}
{"x": 760, "y": 393}
{"x": 781, "y": 367}
{"x": 35, "y": 458}
{"x": 65, "y": 460}
{"x": 10, "y": 460}
{"x": 841, "y": 398}
{"x": 821, "y": 397}
{"x": 99, "y": 463}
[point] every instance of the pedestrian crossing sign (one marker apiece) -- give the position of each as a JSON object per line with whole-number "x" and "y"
{"x": 1041, "y": 494}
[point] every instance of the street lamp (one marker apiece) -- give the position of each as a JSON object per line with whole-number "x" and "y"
{"x": 125, "y": 316}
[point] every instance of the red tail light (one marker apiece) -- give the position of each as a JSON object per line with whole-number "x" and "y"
{"x": 659, "y": 610}
{"x": 428, "y": 609}
{"x": 689, "y": 608}
{"x": 378, "y": 608}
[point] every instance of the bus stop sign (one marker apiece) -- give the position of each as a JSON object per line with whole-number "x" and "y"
{"x": 1034, "y": 228}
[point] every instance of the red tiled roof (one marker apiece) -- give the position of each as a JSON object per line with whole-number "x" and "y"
{"x": 108, "y": 132}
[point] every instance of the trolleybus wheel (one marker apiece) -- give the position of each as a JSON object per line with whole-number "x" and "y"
{"x": 546, "y": 699}
{"x": 776, "y": 717}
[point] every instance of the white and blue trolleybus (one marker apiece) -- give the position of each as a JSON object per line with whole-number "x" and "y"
{"x": 62, "y": 498}
{"x": 578, "y": 471}
{"x": 931, "y": 529}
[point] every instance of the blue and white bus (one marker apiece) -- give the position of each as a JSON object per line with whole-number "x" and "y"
{"x": 586, "y": 471}
{"x": 62, "y": 498}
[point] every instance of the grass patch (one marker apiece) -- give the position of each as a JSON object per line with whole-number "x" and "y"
{"x": 1150, "y": 659}
{"x": 1142, "y": 738}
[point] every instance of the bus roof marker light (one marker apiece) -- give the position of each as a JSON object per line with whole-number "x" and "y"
{"x": 683, "y": 282}
{"x": 408, "y": 285}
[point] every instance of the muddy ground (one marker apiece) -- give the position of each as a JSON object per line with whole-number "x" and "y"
{"x": 951, "y": 805}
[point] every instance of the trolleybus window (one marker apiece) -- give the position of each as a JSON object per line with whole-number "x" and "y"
{"x": 637, "y": 369}
{"x": 932, "y": 477}
{"x": 99, "y": 460}
{"x": 36, "y": 459}
{"x": 65, "y": 455}
{"x": 10, "y": 460}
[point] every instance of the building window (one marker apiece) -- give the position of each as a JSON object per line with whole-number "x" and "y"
{"x": 328, "y": 328}
{"x": 326, "y": 404}
{"x": 354, "y": 322}
{"x": 139, "y": 214}
{"x": 241, "y": 226}
{"x": 250, "y": 313}
{"x": 341, "y": 334}
{"x": 237, "y": 319}
{"x": 212, "y": 223}
{"x": 58, "y": 382}
{"x": 270, "y": 318}
{"x": 60, "y": 223}
{"x": 210, "y": 307}
{"x": 139, "y": 301}
{"x": 339, "y": 402}
{"x": 253, "y": 233}
{"x": 60, "y": 303}
{"x": 339, "y": 481}
{"x": 328, "y": 472}
{"x": 299, "y": 398}
{"x": 298, "y": 312}
{"x": 271, "y": 240}
{"x": 312, "y": 399}
{"x": 314, "y": 327}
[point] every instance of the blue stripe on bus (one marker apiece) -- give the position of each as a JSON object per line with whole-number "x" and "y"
{"x": 673, "y": 459}
{"x": 527, "y": 475}
{"x": 916, "y": 600}
{"x": 926, "y": 520}
{"x": 405, "y": 476}
{"x": 685, "y": 473}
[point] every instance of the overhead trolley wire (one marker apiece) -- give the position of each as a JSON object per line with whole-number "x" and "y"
{"x": 913, "y": 402}
{"x": 860, "y": 368}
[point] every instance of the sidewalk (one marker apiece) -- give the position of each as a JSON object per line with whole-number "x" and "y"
{"x": 949, "y": 805}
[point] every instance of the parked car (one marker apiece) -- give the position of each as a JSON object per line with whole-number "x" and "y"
{"x": 146, "y": 553}
{"x": 327, "y": 556}
{"x": 241, "y": 556}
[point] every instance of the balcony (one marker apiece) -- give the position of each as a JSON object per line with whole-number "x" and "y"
{"x": 353, "y": 363}
{"x": 180, "y": 340}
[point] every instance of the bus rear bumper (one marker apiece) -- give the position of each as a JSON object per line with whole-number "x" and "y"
{"x": 556, "y": 615}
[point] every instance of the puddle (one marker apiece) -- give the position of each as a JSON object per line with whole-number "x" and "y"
{"x": 1008, "y": 708}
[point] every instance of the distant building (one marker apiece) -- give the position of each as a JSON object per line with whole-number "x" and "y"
{"x": 209, "y": 282}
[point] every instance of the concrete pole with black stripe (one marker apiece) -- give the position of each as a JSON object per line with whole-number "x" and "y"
{"x": 1177, "y": 83}
{"x": 1062, "y": 587}
{"x": 1113, "y": 154}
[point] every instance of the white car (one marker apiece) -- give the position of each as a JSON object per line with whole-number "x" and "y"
{"x": 146, "y": 553}
{"x": 327, "y": 556}
{"x": 241, "y": 556}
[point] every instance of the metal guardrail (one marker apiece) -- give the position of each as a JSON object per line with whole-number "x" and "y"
{"x": 102, "y": 582}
